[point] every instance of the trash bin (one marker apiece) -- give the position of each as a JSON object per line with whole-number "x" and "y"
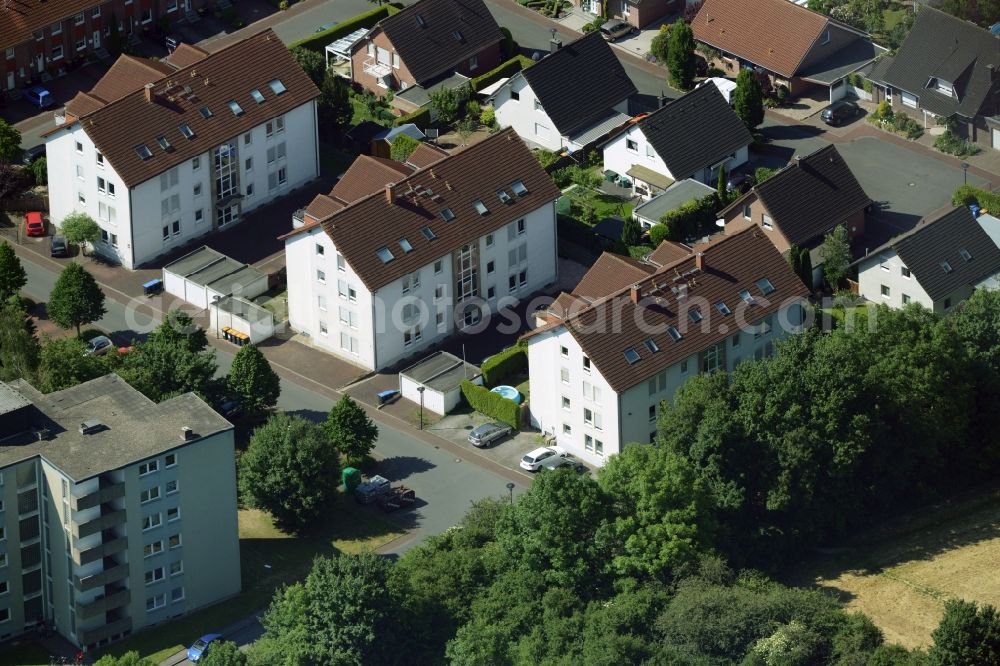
{"x": 351, "y": 478}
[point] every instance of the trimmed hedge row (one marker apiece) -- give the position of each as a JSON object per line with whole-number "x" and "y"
{"x": 421, "y": 118}
{"x": 967, "y": 194}
{"x": 319, "y": 41}
{"x": 492, "y": 404}
{"x": 505, "y": 69}
{"x": 508, "y": 363}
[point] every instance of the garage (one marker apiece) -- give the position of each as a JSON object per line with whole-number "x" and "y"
{"x": 203, "y": 274}
{"x": 440, "y": 375}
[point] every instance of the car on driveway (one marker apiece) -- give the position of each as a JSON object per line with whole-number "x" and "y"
{"x": 489, "y": 433}
{"x": 616, "y": 29}
{"x": 58, "y": 247}
{"x": 34, "y": 225}
{"x": 200, "y": 646}
{"x": 39, "y": 96}
{"x": 99, "y": 346}
{"x": 29, "y": 155}
{"x": 840, "y": 112}
{"x": 545, "y": 456}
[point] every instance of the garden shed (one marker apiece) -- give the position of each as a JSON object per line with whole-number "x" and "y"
{"x": 201, "y": 276}
{"x": 243, "y": 316}
{"x": 675, "y": 196}
{"x": 441, "y": 375}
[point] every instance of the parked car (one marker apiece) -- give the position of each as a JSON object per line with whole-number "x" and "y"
{"x": 99, "y": 346}
{"x": 39, "y": 96}
{"x": 738, "y": 181}
{"x": 34, "y": 225}
{"x": 840, "y": 111}
{"x": 200, "y": 646}
{"x": 29, "y": 155}
{"x": 545, "y": 456}
{"x": 488, "y": 433}
{"x": 616, "y": 29}
{"x": 230, "y": 407}
{"x": 326, "y": 26}
{"x": 567, "y": 461}
{"x": 58, "y": 247}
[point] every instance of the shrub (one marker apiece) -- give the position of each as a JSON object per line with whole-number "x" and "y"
{"x": 472, "y": 109}
{"x": 967, "y": 194}
{"x": 547, "y": 158}
{"x": 866, "y": 85}
{"x": 631, "y": 232}
{"x": 714, "y": 71}
{"x": 504, "y": 69}
{"x": 421, "y": 118}
{"x": 283, "y": 5}
{"x": 953, "y": 144}
{"x": 761, "y": 174}
{"x": 658, "y": 234}
{"x": 40, "y": 169}
{"x": 502, "y": 366}
{"x": 318, "y": 41}
{"x": 491, "y": 404}
{"x": 562, "y": 177}
{"x": 402, "y": 147}
{"x": 690, "y": 218}
{"x": 509, "y": 47}
{"x": 488, "y": 117}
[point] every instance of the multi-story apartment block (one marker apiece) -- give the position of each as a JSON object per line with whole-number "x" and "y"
{"x": 377, "y": 277}
{"x": 162, "y": 152}
{"x": 49, "y": 36}
{"x": 631, "y": 333}
{"x": 116, "y": 513}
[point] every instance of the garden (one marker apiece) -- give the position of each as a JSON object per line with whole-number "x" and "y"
{"x": 550, "y": 8}
{"x": 885, "y": 118}
{"x": 506, "y": 368}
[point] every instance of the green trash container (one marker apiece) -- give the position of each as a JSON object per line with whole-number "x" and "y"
{"x": 351, "y": 478}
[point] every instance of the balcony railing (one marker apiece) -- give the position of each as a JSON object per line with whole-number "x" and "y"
{"x": 109, "y": 519}
{"x": 100, "y": 578}
{"x": 372, "y": 67}
{"x": 105, "y": 494}
{"x": 88, "y": 555}
{"x": 90, "y": 636}
{"x": 103, "y": 604}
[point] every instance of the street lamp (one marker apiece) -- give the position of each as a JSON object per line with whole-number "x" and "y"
{"x": 215, "y": 302}
{"x": 965, "y": 173}
{"x": 510, "y": 489}
{"x": 420, "y": 390}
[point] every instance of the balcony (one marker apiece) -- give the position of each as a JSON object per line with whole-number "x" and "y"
{"x": 104, "y": 604}
{"x": 112, "y": 518}
{"x": 91, "y": 636}
{"x": 107, "y": 493}
{"x": 110, "y": 575}
{"x": 109, "y": 547}
{"x": 374, "y": 68}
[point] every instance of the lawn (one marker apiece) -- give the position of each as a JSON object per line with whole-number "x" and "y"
{"x": 901, "y": 574}
{"x": 892, "y": 17}
{"x": 603, "y": 205}
{"x": 269, "y": 558}
{"x": 855, "y": 315}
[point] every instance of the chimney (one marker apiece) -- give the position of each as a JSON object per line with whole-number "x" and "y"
{"x": 661, "y": 101}
{"x": 699, "y": 261}
{"x": 186, "y": 433}
{"x": 554, "y": 43}
{"x": 635, "y": 293}
{"x": 390, "y": 192}
{"x": 149, "y": 92}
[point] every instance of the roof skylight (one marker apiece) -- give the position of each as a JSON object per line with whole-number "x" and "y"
{"x": 235, "y": 107}
{"x": 946, "y": 267}
{"x": 695, "y": 315}
{"x": 457, "y": 35}
{"x": 428, "y": 233}
{"x": 405, "y": 244}
{"x": 480, "y": 207}
{"x": 504, "y": 197}
{"x": 519, "y": 188}
{"x": 205, "y": 112}
{"x": 723, "y": 308}
{"x": 651, "y": 345}
{"x": 277, "y": 87}
{"x": 385, "y": 254}
{"x": 164, "y": 143}
{"x": 965, "y": 254}
{"x": 143, "y": 151}
{"x": 632, "y": 356}
{"x": 765, "y": 286}
{"x": 420, "y": 21}
{"x": 674, "y": 333}
{"x": 186, "y": 130}
{"x": 447, "y": 214}
{"x": 257, "y": 96}
{"x": 745, "y": 295}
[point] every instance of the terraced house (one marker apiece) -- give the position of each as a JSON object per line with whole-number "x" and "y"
{"x": 162, "y": 152}
{"x": 46, "y": 37}
{"x": 605, "y": 356}
{"x": 116, "y": 513}
{"x": 399, "y": 256}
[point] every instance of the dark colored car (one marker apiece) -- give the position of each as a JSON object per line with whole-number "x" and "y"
{"x": 326, "y": 26}
{"x": 29, "y": 155}
{"x": 200, "y": 647}
{"x": 839, "y": 112}
{"x": 488, "y": 433}
{"x": 39, "y": 96}
{"x": 738, "y": 181}
{"x": 58, "y": 247}
{"x": 230, "y": 408}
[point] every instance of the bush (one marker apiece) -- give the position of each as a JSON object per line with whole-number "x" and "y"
{"x": 502, "y": 366}
{"x": 953, "y": 144}
{"x": 492, "y": 404}
{"x": 40, "y": 169}
{"x": 690, "y": 218}
{"x": 547, "y": 158}
{"x": 488, "y": 117}
{"x": 658, "y": 234}
{"x": 714, "y": 71}
{"x": 472, "y": 109}
{"x": 318, "y": 41}
{"x": 402, "y": 147}
{"x": 504, "y": 69}
{"x": 967, "y": 194}
{"x": 509, "y": 47}
{"x": 421, "y": 118}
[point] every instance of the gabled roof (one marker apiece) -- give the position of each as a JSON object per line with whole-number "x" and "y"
{"x": 367, "y": 175}
{"x": 668, "y": 252}
{"x": 730, "y": 264}
{"x": 19, "y": 19}
{"x": 322, "y": 205}
{"x": 774, "y": 34}
{"x": 809, "y": 197}
{"x": 580, "y": 83}
{"x": 608, "y": 274}
{"x": 119, "y": 127}
{"x": 127, "y": 75}
{"x": 417, "y": 202}
{"x": 942, "y": 46}
{"x": 695, "y": 131}
{"x": 426, "y": 154}
{"x": 942, "y": 240}
{"x": 434, "y": 36}
{"x": 185, "y": 55}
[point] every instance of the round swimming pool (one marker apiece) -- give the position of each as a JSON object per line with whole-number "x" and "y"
{"x": 508, "y": 392}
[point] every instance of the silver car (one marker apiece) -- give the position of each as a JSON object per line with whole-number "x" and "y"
{"x": 546, "y": 456}
{"x": 488, "y": 433}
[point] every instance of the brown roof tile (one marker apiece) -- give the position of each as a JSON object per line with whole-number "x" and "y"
{"x": 775, "y": 34}
{"x": 185, "y": 55}
{"x": 127, "y": 75}
{"x": 81, "y": 104}
{"x": 456, "y": 182}
{"x": 368, "y": 175}
{"x": 668, "y": 252}
{"x": 323, "y": 205}
{"x": 19, "y": 19}
{"x": 119, "y": 127}
{"x": 731, "y": 263}
{"x": 610, "y": 273}
{"x": 426, "y": 154}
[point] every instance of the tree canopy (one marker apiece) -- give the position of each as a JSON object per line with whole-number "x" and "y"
{"x": 12, "y": 274}
{"x": 402, "y": 147}
{"x": 19, "y": 347}
{"x": 80, "y": 229}
{"x": 253, "y": 381}
{"x": 350, "y": 430}
{"x": 76, "y": 298}
{"x": 681, "y": 63}
{"x": 748, "y": 99}
{"x": 836, "y": 254}
{"x": 10, "y": 142}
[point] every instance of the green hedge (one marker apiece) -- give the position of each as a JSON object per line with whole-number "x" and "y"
{"x": 492, "y": 404}
{"x": 967, "y": 194}
{"x": 421, "y": 118}
{"x": 504, "y": 69}
{"x": 509, "y": 363}
{"x": 319, "y": 41}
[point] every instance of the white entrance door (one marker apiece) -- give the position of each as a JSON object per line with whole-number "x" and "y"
{"x": 97, "y": 39}
{"x": 40, "y": 63}
{"x": 10, "y": 86}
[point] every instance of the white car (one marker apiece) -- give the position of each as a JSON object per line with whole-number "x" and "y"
{"x": 546, "y": 456}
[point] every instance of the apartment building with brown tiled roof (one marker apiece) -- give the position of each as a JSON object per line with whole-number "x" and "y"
{"x": 160, "y": 153}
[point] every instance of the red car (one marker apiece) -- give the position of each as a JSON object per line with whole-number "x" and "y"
{"x": 33, "y": 224}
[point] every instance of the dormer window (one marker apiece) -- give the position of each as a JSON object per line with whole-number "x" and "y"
{"x": 825, "y": 39}
{"x": 944, "y": 87}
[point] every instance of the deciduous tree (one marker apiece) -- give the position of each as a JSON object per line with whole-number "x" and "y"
{"x": 63, "y": 363}
{"x": 253, "y": 381}
{"x": 748, "y": 99}
{"x": 350, "y": 429}
{"x": 223, "y": 653}
{"x": 19, "y": 347}
{"x": 402, "y": 147}
{"x": 967, "y": 634}
{"x": 311, "y": 62}
{"x": 10, "y": 142}
{"x": 76, "y": 298}
{"x": 836, "y": 254}
{"x": 680, "y": 56}
{"x": 12, "y": 275}
{"x": 80, "y": 229}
